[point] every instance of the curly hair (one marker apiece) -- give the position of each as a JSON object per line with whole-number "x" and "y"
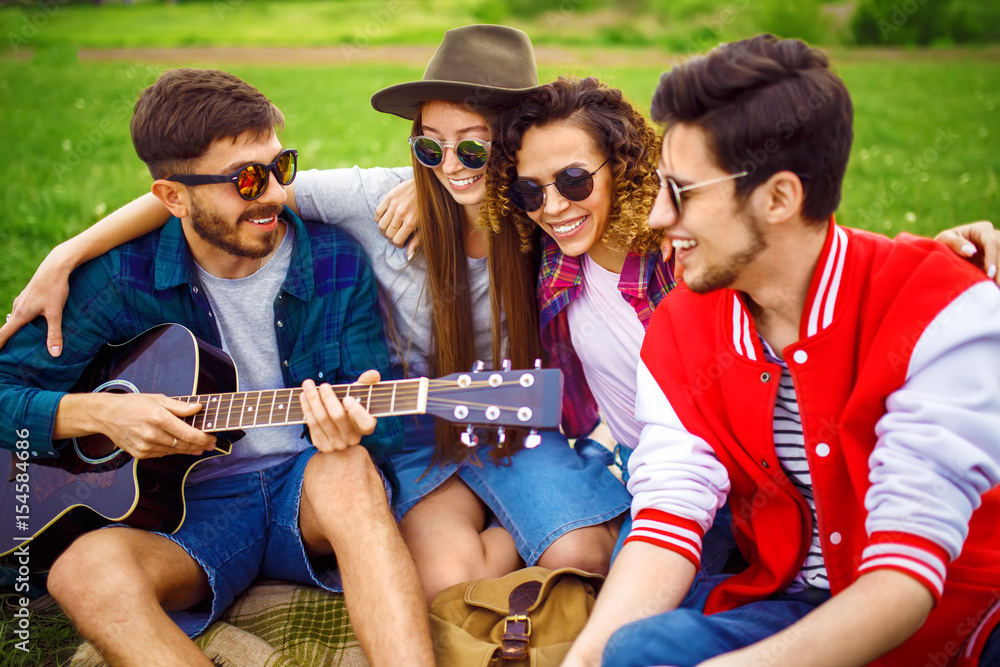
{"x": 618, "y": 131}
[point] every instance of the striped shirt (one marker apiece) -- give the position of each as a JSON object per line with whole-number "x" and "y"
{"x": 789, "y": 444}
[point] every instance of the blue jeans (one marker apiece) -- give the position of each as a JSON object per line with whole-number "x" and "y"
{"x": 686, "y": 637}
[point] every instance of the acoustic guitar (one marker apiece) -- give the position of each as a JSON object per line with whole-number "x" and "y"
{"x": 48, "y": 502}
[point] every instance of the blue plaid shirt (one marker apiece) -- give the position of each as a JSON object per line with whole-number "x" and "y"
{"x": 326, "y": 321}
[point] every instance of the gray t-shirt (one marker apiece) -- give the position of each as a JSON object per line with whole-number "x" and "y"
{"x": 244, "y": 312}
{"x": 348, "y": 198}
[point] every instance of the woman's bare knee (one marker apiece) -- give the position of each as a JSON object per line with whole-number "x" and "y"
{"x": 588, "y": 549}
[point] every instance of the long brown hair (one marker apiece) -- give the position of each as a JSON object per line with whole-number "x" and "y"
{"x": 440, "y": 223}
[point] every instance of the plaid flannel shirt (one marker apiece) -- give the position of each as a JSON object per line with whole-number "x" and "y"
{"x": 326, "y": 321}
{"x": 645, "y": 280}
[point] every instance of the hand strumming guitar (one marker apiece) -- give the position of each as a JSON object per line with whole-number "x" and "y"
{"x": 144, "y": 425}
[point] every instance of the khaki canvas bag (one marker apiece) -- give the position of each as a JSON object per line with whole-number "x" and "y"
{"x": 527, "y": 618}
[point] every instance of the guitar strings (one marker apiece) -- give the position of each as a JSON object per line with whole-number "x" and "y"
{"x": 380, "y": 400}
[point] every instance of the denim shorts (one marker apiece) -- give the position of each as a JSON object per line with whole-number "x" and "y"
{"x": 538, "y": 495}
{"x": 244, "y": 526}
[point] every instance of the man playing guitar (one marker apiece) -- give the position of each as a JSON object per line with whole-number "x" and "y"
{"x": 294, "y": 304}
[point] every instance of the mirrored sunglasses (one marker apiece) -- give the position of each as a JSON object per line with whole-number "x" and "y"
{"x": 574, "y": 184}
{"x": 251, "y": 181}
{"x": 472, "y": 153}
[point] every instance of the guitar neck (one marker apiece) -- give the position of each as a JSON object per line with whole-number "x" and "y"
{"x": 280, "y": 407}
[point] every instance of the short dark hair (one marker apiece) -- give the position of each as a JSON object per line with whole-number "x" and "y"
{"x": 179, "y": 116}
{"x": 767, "y": 105}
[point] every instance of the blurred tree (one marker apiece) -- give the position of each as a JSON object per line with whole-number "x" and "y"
{"x": 924, "y": 22}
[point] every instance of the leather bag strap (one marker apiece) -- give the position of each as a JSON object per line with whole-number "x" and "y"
{"x": 517, "y": 625}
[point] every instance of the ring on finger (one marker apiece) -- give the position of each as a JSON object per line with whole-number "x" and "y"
{"x": 173, "y": 444}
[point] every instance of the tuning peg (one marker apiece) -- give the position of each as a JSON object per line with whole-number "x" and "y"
{"x": 538, "y": 364}
{"x": 532, "y": 440}
{"x": 469, "y": 437}
{"x": 478, "y": 366}
{"x": 505, "y": 365}
{"x": 501, "y": 436}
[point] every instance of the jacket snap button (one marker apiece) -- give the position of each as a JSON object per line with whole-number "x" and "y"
{"x": 800, "y": 356}
{"x": 765, "y": 377}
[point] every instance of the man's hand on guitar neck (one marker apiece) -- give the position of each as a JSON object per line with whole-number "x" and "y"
{"x": 335, "y": 425}
{"x": 144, "y": 425}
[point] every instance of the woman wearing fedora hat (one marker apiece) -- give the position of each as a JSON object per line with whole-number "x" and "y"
{"x": 465, "y": 512}
{"x": 464, "y": 518}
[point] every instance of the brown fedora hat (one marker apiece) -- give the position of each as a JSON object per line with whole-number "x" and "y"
{"x": 488, "y": 64}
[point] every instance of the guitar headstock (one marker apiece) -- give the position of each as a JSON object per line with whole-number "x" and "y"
{"x": 522, "y": 398}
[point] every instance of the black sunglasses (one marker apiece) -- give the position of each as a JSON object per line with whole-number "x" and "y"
{"x": 574, "y": 184}
{"x": 251, "y": 181}
{"x": 472, "y": 153}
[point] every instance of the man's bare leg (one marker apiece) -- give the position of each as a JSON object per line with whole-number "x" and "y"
{"x": 344, "y": 511}
{"x": 114, "y": 584}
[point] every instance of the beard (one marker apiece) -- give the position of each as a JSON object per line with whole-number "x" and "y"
{"x": 724, "y": 273}
{"x": 225, "y": 236}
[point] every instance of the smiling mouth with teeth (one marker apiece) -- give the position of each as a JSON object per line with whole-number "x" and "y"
{"x": 683, "y": 244}
{"x": 568, "y": 227}
{"x": 465, "y": 181}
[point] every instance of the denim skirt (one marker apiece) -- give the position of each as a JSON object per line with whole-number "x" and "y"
{"x": 538, "y": 494}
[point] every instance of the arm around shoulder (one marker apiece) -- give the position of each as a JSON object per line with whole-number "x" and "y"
{"x": 46, "y": 292}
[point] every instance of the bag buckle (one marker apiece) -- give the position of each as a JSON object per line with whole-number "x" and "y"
{"x": 516, "y": 635}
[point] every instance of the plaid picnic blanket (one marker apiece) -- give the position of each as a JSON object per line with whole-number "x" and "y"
{"x": 273, "y": 624}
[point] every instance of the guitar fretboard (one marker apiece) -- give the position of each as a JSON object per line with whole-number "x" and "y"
{"x": 279, "y": 407}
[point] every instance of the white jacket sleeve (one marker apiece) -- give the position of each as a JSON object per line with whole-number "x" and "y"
{"x": 676, "y": 480}
{"x": 938, "y": 446}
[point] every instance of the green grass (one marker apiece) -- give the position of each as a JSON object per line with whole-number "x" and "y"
{"x": 680, "y": 25}
{"x": 52, "y": 641}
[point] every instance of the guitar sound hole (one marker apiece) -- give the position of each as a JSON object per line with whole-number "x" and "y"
{"x": 96, "y": 446}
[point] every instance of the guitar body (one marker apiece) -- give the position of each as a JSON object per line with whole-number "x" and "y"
{"x": 93, "y": 483}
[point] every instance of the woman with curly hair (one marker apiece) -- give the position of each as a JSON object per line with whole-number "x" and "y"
{"x": 572, "y": 173}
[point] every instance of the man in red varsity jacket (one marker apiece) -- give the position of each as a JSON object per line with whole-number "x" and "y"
{"x": 839, "y": 388}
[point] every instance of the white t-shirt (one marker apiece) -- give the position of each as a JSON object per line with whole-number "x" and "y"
{"x": 607, "y": 336}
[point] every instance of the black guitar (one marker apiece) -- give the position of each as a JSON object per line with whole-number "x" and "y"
{"x": 50, "y": 501}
